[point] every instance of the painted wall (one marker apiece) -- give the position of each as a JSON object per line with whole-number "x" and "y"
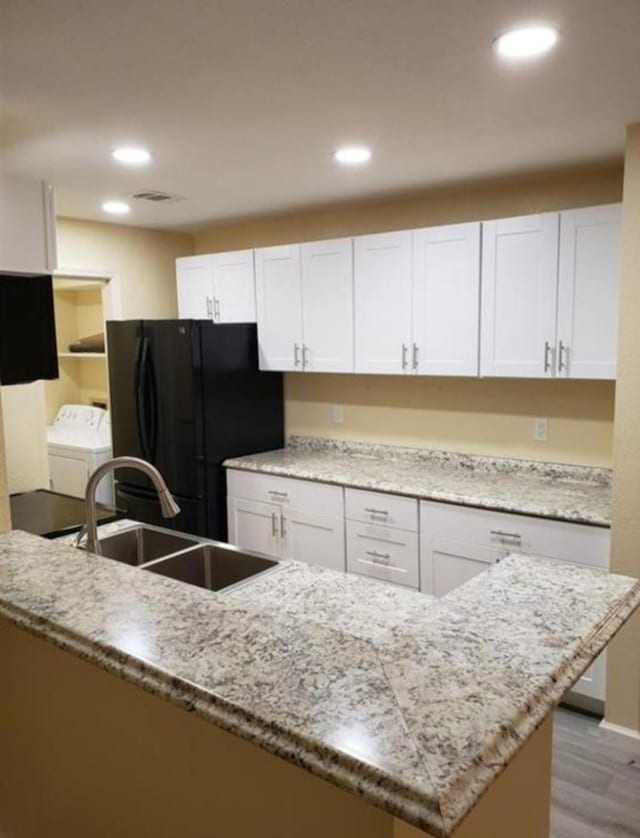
{"x": 623, "y": 707}
{"x": 485, "y": 416}
{"x": 24, "y": 411}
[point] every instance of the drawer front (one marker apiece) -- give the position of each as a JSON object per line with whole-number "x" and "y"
{"x": 301, "y": 494}
{"x": 578, "y": 543}
{"x": 379, "y": 508}
{"x": 383, "y": 553}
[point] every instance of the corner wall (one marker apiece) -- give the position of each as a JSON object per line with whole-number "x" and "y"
{"x": 623, "y": 682}
{"x": 489, "y": 416}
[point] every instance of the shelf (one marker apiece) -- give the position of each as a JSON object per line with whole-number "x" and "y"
{"x": 82, "y": 355}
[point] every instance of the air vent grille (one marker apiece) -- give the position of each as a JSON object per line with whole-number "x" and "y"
{"x": 154, "y": 196}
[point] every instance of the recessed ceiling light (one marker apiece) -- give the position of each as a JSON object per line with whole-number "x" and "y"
{"x": 526, "y": 42}
{"x": 116, "y": 207}
{"x": 352, "y": 155}
{"x": 132, "y": 155}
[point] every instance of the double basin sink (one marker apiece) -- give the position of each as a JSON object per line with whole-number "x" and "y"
{"x": 196, "y": 561}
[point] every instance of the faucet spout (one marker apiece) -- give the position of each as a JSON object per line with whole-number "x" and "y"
{"x": 168, "y": 505}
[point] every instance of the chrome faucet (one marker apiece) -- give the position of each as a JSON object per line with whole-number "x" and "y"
{"x": 167, "y": 503}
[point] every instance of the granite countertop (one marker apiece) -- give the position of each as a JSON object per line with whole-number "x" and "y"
{"x": 414, "y": 704}
{"x": 581, "y": 494}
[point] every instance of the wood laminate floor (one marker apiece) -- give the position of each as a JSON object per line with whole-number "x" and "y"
{"x": 596, "y": 781}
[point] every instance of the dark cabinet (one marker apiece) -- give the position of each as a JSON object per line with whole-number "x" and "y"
{"x": 28, "y": 349}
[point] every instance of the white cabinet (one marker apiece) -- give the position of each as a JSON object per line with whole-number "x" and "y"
{"x": 27, "y": 226}
{"x": 279, "y": 306}
{"x": 217, "y": 286}
{"x": 327, "y": 306}
{"x": 305, "y": 306}
{"x": 383, "y": 303}
{"x": 519, "y": 282}
{"x": 446, "y": 300}
{"x": 286, "y": 519}
{"x": 589, "y": 279}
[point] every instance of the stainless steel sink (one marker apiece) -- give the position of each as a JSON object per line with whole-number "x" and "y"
{"x": 141, "y": 544}
{"x": 213, "y": 566}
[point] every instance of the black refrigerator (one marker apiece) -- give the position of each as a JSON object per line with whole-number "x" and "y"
{"x": 185, "y": 395}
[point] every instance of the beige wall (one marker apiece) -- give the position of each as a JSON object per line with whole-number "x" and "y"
{"x": 486, "y": 416}
{"x": 623, "y": 707}
{"x": 24, "y": 412}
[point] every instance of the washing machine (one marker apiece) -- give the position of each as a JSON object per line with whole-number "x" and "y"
{"x": 78, "y": 442}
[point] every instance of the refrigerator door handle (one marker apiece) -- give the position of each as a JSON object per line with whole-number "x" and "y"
{"x": 141, "y": 406}
{"x": 153, "y": 407}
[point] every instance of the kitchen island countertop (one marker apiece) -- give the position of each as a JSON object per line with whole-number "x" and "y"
{"x": 414, "y": 704}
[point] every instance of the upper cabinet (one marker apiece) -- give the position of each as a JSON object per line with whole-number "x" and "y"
{"x": 305, "y": 306}
{"x": 27, "y": 226}
{"x": 446, "y": 300}
{"x": 589, "y": 279}
{"x": 383, "y": 303}
{"x": 519, "y": 281}
{"x": 550, "y": 294}
{"x": 217, "y": 286}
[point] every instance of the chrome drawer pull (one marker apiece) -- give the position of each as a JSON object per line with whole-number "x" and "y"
{"x": 376, "y": 511}
{"x": 283, "y": 531}
{"x": 278, "y": 494}
{"x": 274, "y": 525}
{"x": 501, "y": 534}
{"x": 379, "y": 558}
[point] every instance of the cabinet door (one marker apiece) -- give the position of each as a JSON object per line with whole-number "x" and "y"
{"x": 234, "y": 290}
{"x": 279, "y": 307}
{"x": 446, "y": 300}
{"x": 588, "y": 292}
{"x": 519, "y": 284}
{"x": 327, "y": 305}
{"x": 27, "y": 226}
{"x": 314, "y": 538}
{"x": 194, "y": 278}
{"x": 254, "y": 525}
{"x": 446, "y": 564}
{"x": 383, "y": 303}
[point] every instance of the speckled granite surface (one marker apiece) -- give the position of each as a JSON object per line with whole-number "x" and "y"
{"x": 412, "y": 703}
{"x": 549, "y": 490}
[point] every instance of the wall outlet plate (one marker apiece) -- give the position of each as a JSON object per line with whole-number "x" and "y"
{"x": 540, "y": 429}
{"x": 337, "y": 414}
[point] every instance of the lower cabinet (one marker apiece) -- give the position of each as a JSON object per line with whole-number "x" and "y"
{"x": 384, "y": 553}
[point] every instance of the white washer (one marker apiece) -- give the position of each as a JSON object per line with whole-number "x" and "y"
{"x": 79, "y": 441}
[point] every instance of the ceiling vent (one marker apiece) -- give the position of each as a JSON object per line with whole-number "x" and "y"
{"x": 155, "y": 197}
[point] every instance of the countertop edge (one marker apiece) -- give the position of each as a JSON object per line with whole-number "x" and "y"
{"x": 440, "y": 497}
{"x": 347, "y": 773}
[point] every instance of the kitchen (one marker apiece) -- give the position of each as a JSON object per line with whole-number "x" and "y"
{"x": 473, "y": 414}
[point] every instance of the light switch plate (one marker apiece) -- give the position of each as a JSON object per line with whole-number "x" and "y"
{"x": 337, "y": 414}
{"x": 540, "y": 429}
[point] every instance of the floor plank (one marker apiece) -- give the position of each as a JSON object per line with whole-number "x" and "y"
{"x": 596, "y": 781}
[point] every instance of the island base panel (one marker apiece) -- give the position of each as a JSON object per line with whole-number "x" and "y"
{"x": 86, "y": 752}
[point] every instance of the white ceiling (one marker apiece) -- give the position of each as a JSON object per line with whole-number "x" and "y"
{"x": 243, "y": 101}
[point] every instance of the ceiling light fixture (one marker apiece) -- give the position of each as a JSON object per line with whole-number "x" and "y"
{"x": 116, "y": 207}
{"x": 132, "y": 155}
{"x": 526, "y": 42}
{"x": 352, "y": 155}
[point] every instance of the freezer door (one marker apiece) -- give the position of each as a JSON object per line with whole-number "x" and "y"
{"x": 144, "y": 507}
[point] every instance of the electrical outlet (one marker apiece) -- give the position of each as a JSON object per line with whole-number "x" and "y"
{"x": 540, "y": 429}
{"x": 337, "y": 414}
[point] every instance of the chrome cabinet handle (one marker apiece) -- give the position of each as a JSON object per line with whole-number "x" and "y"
{"x": 209, "y": 308}
{"x": 283, "y": 531}
{"x": 547, "y": 353}
{"x": 405, "y": 349}
{"x": 216, "y": 308}
{"x": 563, "y": 356}
{"x": 379, "y": 558}
{"x": 274, "y": 525}
{"x": 502, "y": 535}
{"x": 296, "y": 355}
{"x": 278, "y": 494}
{"x": 305, "y": 356}
{"x": 376, "y": 511}
{"x": 415, "y": 356}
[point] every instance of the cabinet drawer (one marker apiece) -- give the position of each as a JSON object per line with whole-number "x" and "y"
{"x": 378, "y": 508}
{"x": 578, "y": 543}
{"x": 301, "y": 494}
{"x": 383, "y": 552}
